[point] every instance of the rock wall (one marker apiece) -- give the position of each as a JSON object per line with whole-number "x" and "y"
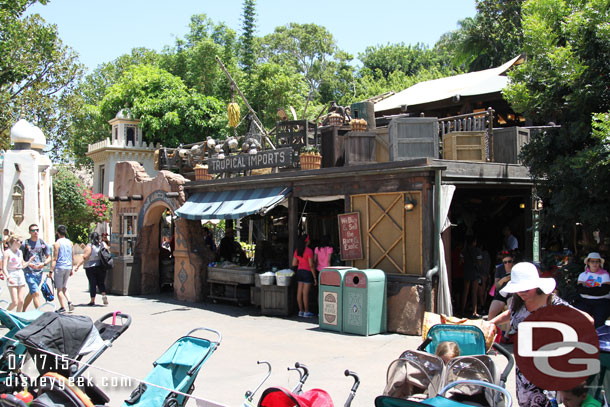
{"x": 406, "y": 306}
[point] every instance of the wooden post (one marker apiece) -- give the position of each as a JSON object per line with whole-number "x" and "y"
{"x": 293, "y": 213}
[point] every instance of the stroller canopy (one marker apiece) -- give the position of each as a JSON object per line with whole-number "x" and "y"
{"x": 62, "y": 334}
{"x": 470, "y": 339}
{"x": 280, "y": 397}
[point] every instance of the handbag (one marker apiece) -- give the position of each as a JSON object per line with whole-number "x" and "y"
{"x": 47, "y": 291}
{"x": 106, "y": 258}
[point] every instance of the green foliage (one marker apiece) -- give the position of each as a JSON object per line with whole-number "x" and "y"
{"x": 492, "y": 37}
{"x": 564, "y": 80}
{"x": 248, "y": 57}
{"x": 170, "y": 113}
{"x": 408, "y": 59}
{"x": 70, "y": 205}
{"x": 567, "y": 277}
{"x": 37, "y": 75}
{"x": 310, "y": 48}
{"x": 274, "y": 86}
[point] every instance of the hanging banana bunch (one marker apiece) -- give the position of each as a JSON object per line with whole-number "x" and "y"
{"x": 233, "y": 114}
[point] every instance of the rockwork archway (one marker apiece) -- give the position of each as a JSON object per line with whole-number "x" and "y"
{"x": 147, "y": 198}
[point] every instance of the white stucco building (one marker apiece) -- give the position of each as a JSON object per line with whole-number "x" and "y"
{"x": 125, "y": 144}
{"x": 26, "y": 184}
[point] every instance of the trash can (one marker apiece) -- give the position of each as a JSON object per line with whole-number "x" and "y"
{"x": 330, "y": 297}
{"x": 364, "y": 302}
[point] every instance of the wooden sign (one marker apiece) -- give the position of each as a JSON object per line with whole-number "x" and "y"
{"x": 349, "y": 236}
{"x": 282, "y": 157}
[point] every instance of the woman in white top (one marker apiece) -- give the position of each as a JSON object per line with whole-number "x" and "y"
{"x": 12, "y": 269}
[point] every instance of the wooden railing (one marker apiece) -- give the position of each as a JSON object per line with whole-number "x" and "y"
{"x": 480, "y": 121}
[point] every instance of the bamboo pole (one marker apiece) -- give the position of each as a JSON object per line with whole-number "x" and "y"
{"x": 257, "y": 121}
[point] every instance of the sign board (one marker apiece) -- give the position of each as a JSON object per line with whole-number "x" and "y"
{"x": 349, "y": 236}
{"x": 282, "y": 157}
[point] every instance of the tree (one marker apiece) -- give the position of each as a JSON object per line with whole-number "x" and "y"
{"x": 411, "y": 60}
{"x": 492, "y": 37}
{"x": 248, "y": 57}
{"x": 37, "y": 75}
{"x": 564, "y": 80}
{"x": 171, "y": 113}
{"x": 308, "y": 47}
{"x": 194, "y": 58}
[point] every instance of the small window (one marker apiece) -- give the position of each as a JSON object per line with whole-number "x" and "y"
{"x": 131, "y": 136}
{"x": 128, "y": 233}
{"x": 102, "y": 174}
{"x": 18, "y": 204}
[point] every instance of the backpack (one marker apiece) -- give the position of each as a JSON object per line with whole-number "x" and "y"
{"x": 106, "y": 258}
{"x": 47, "y": 292}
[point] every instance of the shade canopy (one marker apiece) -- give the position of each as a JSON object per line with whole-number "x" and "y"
{"x": 233, "y": 204}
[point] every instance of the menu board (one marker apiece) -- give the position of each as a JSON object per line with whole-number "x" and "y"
{"x": 349, "y": 236}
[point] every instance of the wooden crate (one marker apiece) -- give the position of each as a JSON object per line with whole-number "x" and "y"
{"x": 465, "y": 146}
{"x": 413, "y": 137}
{"x": 382, "y": 144}
{"x": 255, "y": 296}
{"x": 278, "y": 301}
{"x": 360, "y": 148}
{"x": 507, "y": 142}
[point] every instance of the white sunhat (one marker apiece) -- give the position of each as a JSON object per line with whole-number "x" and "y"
{"x": 594, "y": 255}
{"x": 524, "y": 276}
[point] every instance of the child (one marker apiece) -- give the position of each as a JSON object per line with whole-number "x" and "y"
{"x": 447, "y": 350}
{"x": 578, "y": 397}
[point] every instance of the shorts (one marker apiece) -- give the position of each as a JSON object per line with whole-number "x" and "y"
{"x": 33, "y": 281}
{"x": 304, "y": 276}
{"x": 60, "y": 277}
{"x": 17, "y": 277}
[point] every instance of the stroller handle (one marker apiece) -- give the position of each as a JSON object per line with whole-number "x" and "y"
{"x": 502, "y": 390}
{"x": 46, "y": 304}
{"x": 125, "y": 318}
{"x": 511, "y": 362}
{"x": 303, "y": 375}
{"x": 352, "y": 392}
{"x": 250, "y": 394}
{"x": 217, "y": 333}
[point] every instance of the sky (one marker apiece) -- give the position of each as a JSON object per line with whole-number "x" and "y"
{"x": 102, "y": 30}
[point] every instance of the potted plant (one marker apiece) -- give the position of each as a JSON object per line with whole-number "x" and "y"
{"x": 310, "y": 158}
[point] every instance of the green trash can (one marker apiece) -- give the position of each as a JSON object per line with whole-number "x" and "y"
{"x": 364, "y": 302}
{"x": 330, "y": 297}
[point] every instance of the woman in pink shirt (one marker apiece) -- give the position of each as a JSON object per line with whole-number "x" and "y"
{"x": 322, "y": 253}
{"x": 306, "y": 276}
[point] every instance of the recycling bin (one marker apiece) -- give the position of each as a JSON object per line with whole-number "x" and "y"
{"x": 364, "y": 302}
{"x": 330, "y": 297}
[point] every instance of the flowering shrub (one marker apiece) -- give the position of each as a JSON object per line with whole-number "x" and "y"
{"x": 98, "y": 204}
{"x": 76, "y": 206}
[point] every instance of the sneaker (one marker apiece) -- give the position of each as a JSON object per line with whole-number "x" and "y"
{"x": 301, "y": 314}
{"x": 70, "y": 307}
{"x": 309, "y": 314}
{"x": 105, "y": 300}
{"x": 62, "y": 309}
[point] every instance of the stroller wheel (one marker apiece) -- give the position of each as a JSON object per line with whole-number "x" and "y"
{"x": 171, "y": 401}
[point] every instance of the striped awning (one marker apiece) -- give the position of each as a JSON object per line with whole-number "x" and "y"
{"x": 231, "y": 204}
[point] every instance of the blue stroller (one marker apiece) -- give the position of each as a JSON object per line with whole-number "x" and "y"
{"x": 421, "y": 376}
{"x": 172, "y": 379}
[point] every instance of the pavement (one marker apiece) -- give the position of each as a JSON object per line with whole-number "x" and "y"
{"x": 247, "y": 337}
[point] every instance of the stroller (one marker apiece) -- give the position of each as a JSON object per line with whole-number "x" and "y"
{"x": 172, "y": 379}
{"x": 280, "y": 397}
{"x": 14, "y": 321}
{"x": 58, "y": 344}
{"x": 420, "y": 375}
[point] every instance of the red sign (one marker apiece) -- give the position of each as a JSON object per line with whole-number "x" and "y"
{"x": 349, "y": 236}
{"x": 557, "y": 348}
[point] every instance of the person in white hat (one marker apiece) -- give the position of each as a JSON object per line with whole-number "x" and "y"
{"x": 594, "y": 289}
{"x": 531, "y": 293}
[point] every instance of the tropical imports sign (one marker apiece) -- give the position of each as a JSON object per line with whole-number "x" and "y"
{"x": 349, "y": 236}
{"x": 282, "y": 157}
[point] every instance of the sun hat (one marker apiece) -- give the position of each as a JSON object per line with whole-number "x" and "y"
{"x": 594, "y": 255}
{"x": 524, "y": 276}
